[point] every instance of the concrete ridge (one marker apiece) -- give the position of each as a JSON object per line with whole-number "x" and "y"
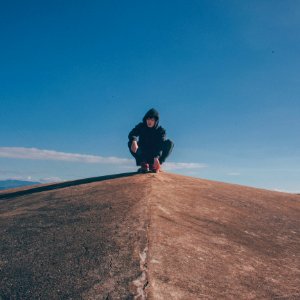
{"x": 150, "y": 236}
{"x": 140, "y": 285}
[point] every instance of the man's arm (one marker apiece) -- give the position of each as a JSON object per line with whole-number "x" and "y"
{"x": 133, "y": 136}
{"x": 135, "y": 133}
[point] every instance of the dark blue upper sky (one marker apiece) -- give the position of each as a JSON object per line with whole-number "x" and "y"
{"x": 76, "y": 76}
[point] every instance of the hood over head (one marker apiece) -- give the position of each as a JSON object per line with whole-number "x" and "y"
{"x": 152, "y": 113}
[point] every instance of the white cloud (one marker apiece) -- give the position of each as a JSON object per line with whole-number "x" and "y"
{"x": 286, "y": 191}
{"x": 176, "y": 166}
{"x": 39, "y": 154}
{"x": 50, "y": 179}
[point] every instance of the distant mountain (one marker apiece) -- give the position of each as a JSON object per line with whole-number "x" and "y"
{"x": 10, "y": 184}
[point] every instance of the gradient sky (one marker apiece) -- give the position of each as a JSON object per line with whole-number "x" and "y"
{"x": 77, "y": 76}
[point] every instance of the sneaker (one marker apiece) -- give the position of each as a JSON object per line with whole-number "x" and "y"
{"x": 156, "y": 168}
{"x": 144, "y": 168}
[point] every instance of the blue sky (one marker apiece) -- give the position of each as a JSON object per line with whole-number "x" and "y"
{"x": 77, "y": 76}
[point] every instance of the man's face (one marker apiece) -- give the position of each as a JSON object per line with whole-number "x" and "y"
{"x": 150, "y": 122}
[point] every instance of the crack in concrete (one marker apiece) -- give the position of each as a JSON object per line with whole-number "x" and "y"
{"x": 141, "y": 282}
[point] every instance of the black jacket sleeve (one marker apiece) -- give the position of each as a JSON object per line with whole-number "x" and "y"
{"x": 135, "y": 132}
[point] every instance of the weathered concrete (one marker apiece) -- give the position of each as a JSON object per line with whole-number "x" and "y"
{"x": 76, "y": 242}
{"x": 154, "y": 236}
{"x": 210, "y": 240}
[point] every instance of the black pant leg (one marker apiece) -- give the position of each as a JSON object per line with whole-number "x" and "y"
{"x": 139, "y": 155}
{"x": 167, "y": 148}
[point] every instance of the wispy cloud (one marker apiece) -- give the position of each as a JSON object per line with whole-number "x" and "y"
{"x": 286, "y": 191}
{"x": 50, "y": 179}
{"x": 39, "y": 154}
{"x": 174, "y": 166}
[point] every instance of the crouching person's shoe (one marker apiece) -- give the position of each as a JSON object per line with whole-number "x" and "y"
{"x": 144, "y": 168}
{"x": 156, "y": 167}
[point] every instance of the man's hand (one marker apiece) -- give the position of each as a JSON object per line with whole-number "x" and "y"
{"x": 156, "y": 164}
{"x": 134, "y": 146}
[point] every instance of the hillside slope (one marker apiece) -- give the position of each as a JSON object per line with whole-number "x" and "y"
{"x": 154, "y": 236}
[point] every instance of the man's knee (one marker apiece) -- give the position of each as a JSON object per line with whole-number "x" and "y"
{"x": 167, "y": 149}
{"x": 168, "y": 145}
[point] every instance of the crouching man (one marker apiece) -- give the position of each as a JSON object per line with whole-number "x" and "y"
{"x": 148, "y": 144}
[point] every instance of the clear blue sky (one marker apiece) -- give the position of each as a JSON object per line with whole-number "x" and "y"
{"x": 76, "y": 76}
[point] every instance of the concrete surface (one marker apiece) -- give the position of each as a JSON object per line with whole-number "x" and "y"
{"x": 149, "y": 236}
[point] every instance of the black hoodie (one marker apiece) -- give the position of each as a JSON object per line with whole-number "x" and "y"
{"x": 150, "y": 139}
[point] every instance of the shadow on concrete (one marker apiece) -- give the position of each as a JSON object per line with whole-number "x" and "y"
{"x": 63, "y": 185}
